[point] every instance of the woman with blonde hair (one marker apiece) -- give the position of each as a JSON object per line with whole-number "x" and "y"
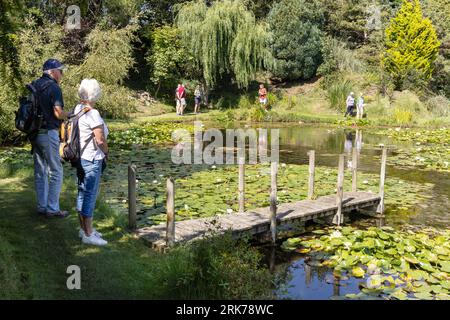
{"x": 94, "y": 152}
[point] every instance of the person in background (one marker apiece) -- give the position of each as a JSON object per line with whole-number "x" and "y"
{"x": 48, "y": 169}
{"x": 94, "y": 152}
{"x": 198, "y": 99}
{"x": 180, "y": 97}
{"x": 350, "y": 104}
{"x": 262, "y": 96}
{"x": 360, "y": 107}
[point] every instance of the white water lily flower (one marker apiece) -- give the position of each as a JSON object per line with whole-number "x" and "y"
{"x": 336, "y": 234}
{"x": 155, "y": 181}
{"x": 213, "y": 167}
{"x": 218, "y": 180}
{"x": 124, "y": 201}
{"x": 283, "y": 165}
{"x": 347, "y": 245}
{"x": 365, "y": 182}
{"x": 397, "y": 129}
{"x": 229, "y": 211}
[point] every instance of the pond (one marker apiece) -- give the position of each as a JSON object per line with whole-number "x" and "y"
{"x": 416, "y": 193}
{"x": 300, "y": 278}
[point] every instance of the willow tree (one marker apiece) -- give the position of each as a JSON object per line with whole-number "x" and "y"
{"x": 224, "y": 39}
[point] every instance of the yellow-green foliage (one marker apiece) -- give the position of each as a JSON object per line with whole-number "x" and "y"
{"x": 108, "y": 60}
{"x": 411, "y": 45}
{"x": 406, "y": 107}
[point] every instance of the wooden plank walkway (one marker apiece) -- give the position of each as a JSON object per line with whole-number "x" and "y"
{"x": 257, "y": 221}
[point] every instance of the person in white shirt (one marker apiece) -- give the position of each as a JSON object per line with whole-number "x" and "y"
{"x": 94, "y": 152}
{"x": 360, "y": 107}
{"x": 350, "y": 102}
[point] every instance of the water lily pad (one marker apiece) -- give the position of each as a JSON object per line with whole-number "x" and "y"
{"x": 423, "y": 295}
{"x": 358, "y": 272}
{"x": 445, "y": 266}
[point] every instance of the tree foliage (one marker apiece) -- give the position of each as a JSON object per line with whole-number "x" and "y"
{"x": 168, "y": 57}
{"x": 224, "y": 39}
{"x": 296, "y": 38}
{"x": 411, "y": 46}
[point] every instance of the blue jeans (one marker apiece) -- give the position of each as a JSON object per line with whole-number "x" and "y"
{"x": 48, "y": 171}
{"x": 88, "y": 187}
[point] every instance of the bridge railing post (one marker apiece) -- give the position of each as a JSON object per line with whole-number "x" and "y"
{"x": 273, "y": 201}
{"x": 241, "y": 198}
{"x": 338, "y": 218}
{"x": 132, "y": 197}
{"x": 170, "y": 207}
{"x": 380, "y": 209}
{"x": 312, "y": 159}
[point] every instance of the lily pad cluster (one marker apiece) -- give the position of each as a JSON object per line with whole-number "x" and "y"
{"x": 208, "y": 190}
{"x": 146, "y": 133}
{"x": 408, "y": 263}
{"x": 430, "y": 149}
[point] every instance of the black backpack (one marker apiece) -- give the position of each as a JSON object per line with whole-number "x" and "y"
{"x": 29, "y": 117}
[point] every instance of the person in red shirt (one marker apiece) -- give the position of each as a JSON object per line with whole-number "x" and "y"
{"x": 180, "y": 97}
{"x": 263, "y": 96}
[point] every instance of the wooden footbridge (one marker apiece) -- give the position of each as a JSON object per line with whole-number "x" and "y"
{"x": 262, "y": 220}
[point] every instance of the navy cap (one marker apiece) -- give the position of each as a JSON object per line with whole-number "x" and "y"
{"x": 52, "y": 64}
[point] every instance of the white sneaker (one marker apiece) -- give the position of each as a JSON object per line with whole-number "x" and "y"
{"x": 81, "y": 233}
{"x": 94, "y": 240}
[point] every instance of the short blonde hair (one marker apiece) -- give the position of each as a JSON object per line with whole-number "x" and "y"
{"x": 89, "y": 90}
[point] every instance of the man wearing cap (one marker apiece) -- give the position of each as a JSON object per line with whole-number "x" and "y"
{"x": 48, "y": 169}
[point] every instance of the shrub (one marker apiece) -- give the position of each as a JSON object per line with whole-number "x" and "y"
{"x": 245, "y": 102}
{"x": 338, "y": 58}
{"x": 337, "y": 94}
{"x": 403, "y": 116}
{"x": 214, "y": 268}
{"x": 439, "y": 106}
{"x": 411, "y": 47}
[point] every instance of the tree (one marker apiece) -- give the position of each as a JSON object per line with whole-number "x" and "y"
{"x": 296, "y": 38}
{"x": 411, "y": 46}
{"x": 224, "y": 39}
{"x": 9, "y": 9}
{"x": 167, "y": 57}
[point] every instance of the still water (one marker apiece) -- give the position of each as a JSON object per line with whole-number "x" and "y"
{"x": 299, "y": 278}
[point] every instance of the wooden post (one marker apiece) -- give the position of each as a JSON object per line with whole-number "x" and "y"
{"x": 273, "y": 201}
{"x": 380, "y": 209}
{"x": 132, "y": 197}
{"x": 354, "y": 170}
{"x": 312, "y": 159}
{"x": 241, "y": 186}
{"x": 170, "y": 231}
{"x": 338, "y": 218}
